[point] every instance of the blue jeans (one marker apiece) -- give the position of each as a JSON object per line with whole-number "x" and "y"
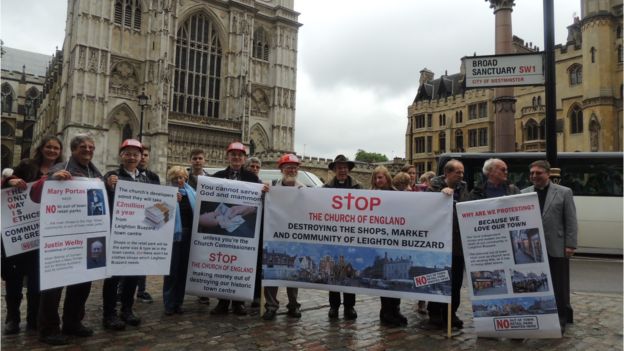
{"x": 174, "y": 286}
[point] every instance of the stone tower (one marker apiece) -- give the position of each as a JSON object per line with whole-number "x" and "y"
{"x": 601, "y": 25}
{"x": 214, "y": 71}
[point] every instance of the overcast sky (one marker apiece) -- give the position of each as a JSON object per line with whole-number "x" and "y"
{"x": 358, "y": 63}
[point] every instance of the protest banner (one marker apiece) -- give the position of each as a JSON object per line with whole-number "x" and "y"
{"x": 507, "y": 266}
{"x": 20, "y": 221}
{"x": 142, "y": 229}
{"x": 75, "y": 226}
{"x": 224, "y": 242}
{"x": 386, "y": 243}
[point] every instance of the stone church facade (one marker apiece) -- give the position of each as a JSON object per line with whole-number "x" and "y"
{"x": 215, "y": 71}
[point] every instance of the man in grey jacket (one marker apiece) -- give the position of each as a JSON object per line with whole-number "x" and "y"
{"x": 560, "y": 231}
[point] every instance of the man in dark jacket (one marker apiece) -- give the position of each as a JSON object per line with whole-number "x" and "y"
{"x": 342, "y": 180}
{"x": 79, "y": 164}
{"x": 130, "y": 152}
{"x": 451, "y": 184}
{"x": 496, "y": 183}
{"x": 236, "y": 155}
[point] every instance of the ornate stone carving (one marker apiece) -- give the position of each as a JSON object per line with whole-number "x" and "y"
{"x": 93, "y": 60}
{"x": 82, "y": 53}
{"x": 259, "y": 103}
{"x": 124, "y": 79}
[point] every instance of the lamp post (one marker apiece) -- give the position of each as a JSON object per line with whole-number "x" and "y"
{"x": 142, "y": 102}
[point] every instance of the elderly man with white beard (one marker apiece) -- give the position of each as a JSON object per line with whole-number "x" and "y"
{"x": 289, "y": 166}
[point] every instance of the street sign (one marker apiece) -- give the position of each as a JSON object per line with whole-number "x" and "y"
{"x": 504, "y": 70}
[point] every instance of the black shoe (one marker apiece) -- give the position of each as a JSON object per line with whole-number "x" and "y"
{"x": 255, "y": 303}
{"x": 239, "y": 309}
{"x": 221, "y": 308}
{"x": 113, "y": 322}
{"x": 11, "y": 327}
{"x": 436, "y": 322}
{"x": 203, "y": 300}
{"x": 144, "y": 297}
{"x": 294, "y": 312}
{"x": 456, "y": 322}
{"x": 392, "y": 319}
{"x": 178, "y": 310}
{"x": 349, "y": 313}
{"x": 170, "y": 311}
{"x": 269, "y": 315}
{"x": 130, "y": 318}
{"x": 333, "y": 313}
{"x": 54, "y": 339}
{"x": 31, "y": 326}
{"x": 78, "y": 330}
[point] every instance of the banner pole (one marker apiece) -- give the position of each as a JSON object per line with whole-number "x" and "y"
{"x": 448, "y": 321}
{"x": 261, "y": 300}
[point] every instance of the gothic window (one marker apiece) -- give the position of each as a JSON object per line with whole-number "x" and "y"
{"x": 442, "y": 119}
{"x": 128, "y": 13}
{"x": 618, "y": 32}
{"x": 534, "y": 101}
{"x": 472, "y": 111}
{"x": 542, "y": 129}
{"x": 539, "y": 101}
{"x": 429, "y": 143}
{"x": 483, "y": 112}
{"x": 261, "y": 44}
{"x": 576, "y": 120}
{"x": 126, "y": 132}
{"x": 459, "y": 140}
{"x": 620, "y": 54}
{"x": 429, "y": 120}
{"x": 576, "y": 74}
{"x": 420, "y": 122}
{"x": 531, "y": 130}
{"x": 472, "y": 137}
{"x": 593, "y": 54}
{"x": 594, "y": 134}
{"x": 7, "y": 98}
{"x": 33, "y": 100}
{"x": 197, "y": 78}
{"x": 6, "y": 130}
{"x": 442, "y": 141}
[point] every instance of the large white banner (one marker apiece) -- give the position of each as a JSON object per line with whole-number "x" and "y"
{"x": 386, "y": 243}
{"x": 75, "y": 226}
{"x": 142, "y": 229}
{"x": 224, "y": 242}
{"x": 20, "y": 221}
{"x": 507, "y": 265}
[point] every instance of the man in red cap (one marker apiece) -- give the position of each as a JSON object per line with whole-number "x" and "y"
{"x": 130, "y": 153}
{"x": 289, "y": 166}
{"x": 236, "y": 155}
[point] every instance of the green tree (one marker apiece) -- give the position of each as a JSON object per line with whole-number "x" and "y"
{"x": 370, "y": 157}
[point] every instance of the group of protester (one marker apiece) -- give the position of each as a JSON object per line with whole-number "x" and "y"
{"x": 556, "y": 206}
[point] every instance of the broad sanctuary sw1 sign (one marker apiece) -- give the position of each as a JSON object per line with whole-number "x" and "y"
{"x": 504, "y": 70}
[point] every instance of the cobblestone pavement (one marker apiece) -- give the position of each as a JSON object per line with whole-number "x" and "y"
{"x": 598, "y": 326}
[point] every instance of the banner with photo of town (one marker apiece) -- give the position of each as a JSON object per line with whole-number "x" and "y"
{"x": 384, "y": 243}
{"x": 506, "y": 261}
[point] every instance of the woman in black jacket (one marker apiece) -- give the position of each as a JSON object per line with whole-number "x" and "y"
{"x": 15, "y": 268}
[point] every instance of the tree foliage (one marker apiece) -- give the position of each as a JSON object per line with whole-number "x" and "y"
{"x": 370, "y": 157}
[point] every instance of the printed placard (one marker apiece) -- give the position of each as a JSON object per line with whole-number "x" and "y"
{"x": 507, "y": 265}
{"x": 224, "y": 242}
{"x": 142, "y": 229}
{"x": 75, "y": 227}
{"x": 20, "y": 221}
{"x": 358, "y": 241}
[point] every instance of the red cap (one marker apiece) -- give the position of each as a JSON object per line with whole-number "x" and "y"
{"x": 287, "y": 158}
{"x": 131, "y": 143}
{"x": 237, "y": 146}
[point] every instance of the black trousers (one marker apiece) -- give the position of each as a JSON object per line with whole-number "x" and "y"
{"x": 73, "y": 308}
{"x": 439, "y": 310}
{"x": 14, "y": 270}
{"x": 560, "y": 273}
{"x": 109, "y": 294}
{"x": 348, "y": 300}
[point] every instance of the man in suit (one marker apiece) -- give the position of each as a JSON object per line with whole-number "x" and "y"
{"x": 560, "y": 230}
